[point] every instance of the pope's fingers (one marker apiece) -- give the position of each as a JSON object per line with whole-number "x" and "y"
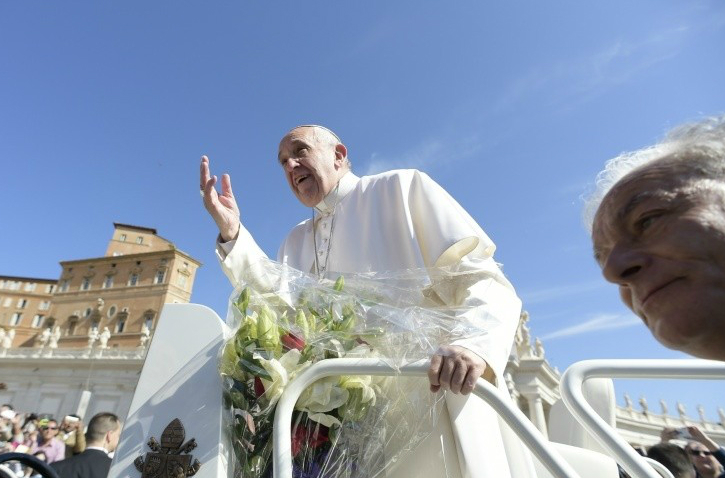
{"x": 227, "y": 185}
{"x": 448, "y": 368}
{"x": 474, "y": 373}
{"x": 435, "y": 369}
{"x": 204, "y": 171}
{"x": 209, "y": 191}
{"x": 458, "y": 377}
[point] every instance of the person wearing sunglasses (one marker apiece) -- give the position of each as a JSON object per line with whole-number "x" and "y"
{"x": 47, "y": 441}
{"x": 707, "y": 456}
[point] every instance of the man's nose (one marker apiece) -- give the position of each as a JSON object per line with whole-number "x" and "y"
{"x": 291, "y": 164}
{"x": 624, "y": 264}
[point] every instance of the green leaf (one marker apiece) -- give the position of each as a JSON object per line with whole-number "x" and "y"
{"x": 252, "y": 366}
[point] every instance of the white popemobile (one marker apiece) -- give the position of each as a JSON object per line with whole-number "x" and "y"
{"x": 180, "y": 380}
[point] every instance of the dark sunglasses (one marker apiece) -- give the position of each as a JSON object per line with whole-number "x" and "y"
{"x": 699, "y": 452}
{"x": 48, "y": 428}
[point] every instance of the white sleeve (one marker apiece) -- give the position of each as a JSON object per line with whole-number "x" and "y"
{"x": 240, "y": 258}
{"x": 479, "y": 295}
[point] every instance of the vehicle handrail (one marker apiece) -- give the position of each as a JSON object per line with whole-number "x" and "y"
{"x": 519, "y": 423}
{"x": 573, "y": 397}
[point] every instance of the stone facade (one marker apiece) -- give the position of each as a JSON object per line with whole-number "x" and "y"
{"x": 25, "y": 304}
{"x": 110, "y": 302}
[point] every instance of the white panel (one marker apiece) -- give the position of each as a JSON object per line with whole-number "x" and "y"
{"x": 180, "y": 380}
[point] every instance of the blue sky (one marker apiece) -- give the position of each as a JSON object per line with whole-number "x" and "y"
{"x": 106, "y": 107}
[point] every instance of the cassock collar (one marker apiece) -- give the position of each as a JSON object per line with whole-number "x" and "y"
{"x": 347, "y": 183}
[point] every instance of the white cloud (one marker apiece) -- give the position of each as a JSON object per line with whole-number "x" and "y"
{"x": 597, "y": 323}
{"x": 559, "y": 291}
{"x": 569, "y": 83}
{"x": 428, "y": 153}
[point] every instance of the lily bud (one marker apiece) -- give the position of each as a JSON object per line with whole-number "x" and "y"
{"x": 339, "y": 284}
{"x": 267, "y": 333}
{"x": 301, "y": 322}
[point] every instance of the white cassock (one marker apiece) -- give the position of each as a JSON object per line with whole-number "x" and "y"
{"x": 403, "y": 220}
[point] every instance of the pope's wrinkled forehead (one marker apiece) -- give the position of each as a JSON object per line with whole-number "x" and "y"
{"x": 310, "y": 132}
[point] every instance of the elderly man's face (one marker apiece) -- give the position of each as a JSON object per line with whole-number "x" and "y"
{"x": 661, "y": 238}
{"x": 311, "y": 164}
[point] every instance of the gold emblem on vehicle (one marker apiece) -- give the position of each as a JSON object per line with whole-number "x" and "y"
{"x": 166, "y": 459}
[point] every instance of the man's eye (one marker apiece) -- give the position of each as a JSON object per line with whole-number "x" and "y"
{"x": 302, "y": 150}
{"x": 646, "y": 221}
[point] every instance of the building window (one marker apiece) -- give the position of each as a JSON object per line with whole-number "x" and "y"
{"x": 37, "y": 321}
{"x": 108, "y": 282}
{"x": 22, "y": 303}
{"x": 139, "y": 240}
{"x": 112, "y": 311}
{"x": 122, "y": 238}
{"x": 94, "y": 324}
{"x": 181, "y": 280}
{"x": 133, "y": 279}
{"x": 86, "y": 284}
{"x": 87, "y": 312}
{"x": 72, "y": 327}
{"x": 50, "y": 288}
{"x": 64, "y": 285}
{"x": 29, "y": 287}
{"x": 16, "y": 318}
{"x": 121, "y": 324}
{"x": 44, "y": 305}
{"x": 149, "y": 320}
{"x": 160, "y": 276}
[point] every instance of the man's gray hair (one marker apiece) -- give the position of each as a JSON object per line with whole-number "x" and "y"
{"x": 100, "y": 424}
{"x": 697, "y": 148}
{"x": 332, "y": 136}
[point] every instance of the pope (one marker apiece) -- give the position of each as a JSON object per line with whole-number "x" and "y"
{"x": 393, "y": 221}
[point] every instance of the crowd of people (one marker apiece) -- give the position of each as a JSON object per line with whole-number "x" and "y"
{"x": 701, "y": 457}
{"x": 67, "y": 445}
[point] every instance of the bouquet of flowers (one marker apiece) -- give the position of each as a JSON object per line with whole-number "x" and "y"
{"x": 343, "y": 426}
{"x": 273, "y": 345}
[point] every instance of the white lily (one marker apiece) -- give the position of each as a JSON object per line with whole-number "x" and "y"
{"x": 281, "y": 371}
{"x": 322, "y": 396}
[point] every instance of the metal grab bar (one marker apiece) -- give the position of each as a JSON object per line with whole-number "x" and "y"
{"x": 659, "y": 467}
{"x": 519, "y": 423}
{"x": 571, "y": 394}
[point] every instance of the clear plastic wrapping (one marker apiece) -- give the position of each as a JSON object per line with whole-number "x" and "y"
{"x": 284, "y": 320}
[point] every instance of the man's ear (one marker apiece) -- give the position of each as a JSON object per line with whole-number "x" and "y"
{"x": 340, "y": 154}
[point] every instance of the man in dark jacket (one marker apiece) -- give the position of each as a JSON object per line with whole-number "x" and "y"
{"x": 102, "y": 436}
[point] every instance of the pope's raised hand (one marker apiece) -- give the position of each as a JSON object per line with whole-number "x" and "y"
{"x": 222, "y": 207}
{"x": 455, "y": 368}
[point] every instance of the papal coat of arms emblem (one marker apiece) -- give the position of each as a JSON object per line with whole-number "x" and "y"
{"x": 166, "y": 459}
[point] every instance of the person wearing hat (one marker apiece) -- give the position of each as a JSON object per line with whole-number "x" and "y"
{"x": 47, "y": 441}
{"x": 395, "y": 221}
